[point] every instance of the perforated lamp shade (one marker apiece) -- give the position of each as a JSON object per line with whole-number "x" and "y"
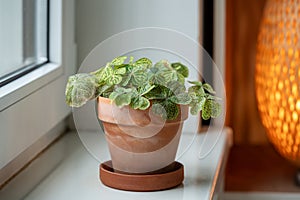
{"x": 277, "y": 76}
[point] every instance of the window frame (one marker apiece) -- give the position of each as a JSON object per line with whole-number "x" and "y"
{"x": 21, "y": 87}
{"x": 35, "y": 40}
{"x": 33, "y": 106}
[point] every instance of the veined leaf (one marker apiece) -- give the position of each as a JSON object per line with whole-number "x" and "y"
{"x": 159, "y": 110}
{"x": 131, "y": 60}
{"x": 126, "y": 79}
{"x": 169, "y": 75}
{"x": 157, "y": 93}
{"x": 181, "y": 69}
{"x": 103, "y": 89}
{"x": 80, "y": 89}
{"x": 163, "y": 64}
{"x": 198, "y": 83}
{"x": 145, "y": 89}
{"x": 113, "y": 95}
{"x": 139, "y": 78}
{"x": 123, "y": 100}
{"x": 119, "y": 60}
{"x": 208, "y": 88}
{"x": 120, "y": 91}
{"x": 143, "y": 103}
{"x": 107, "y": 72}
{"x": 180, "y": 78}
{"x": 135, "y": 103}
{"x": 206, "y": 110}
{"x": 197, "y": 105}
{"x": 140, "y": 103}
{"x": 183, "y": 99}
{"x": 198, "y": 90}
{"x": 157, "y": 79}
{"x": 120, "y": 71}
{"x": 114, "y": 79}
{"x": 216, "y": 109}
{"x": 211, "y": 109}
{"x": 171, "y": 109}
{"x": 176, "y": 87}
{"x": 122, "y": 96}
{"x": 123, "y": 90}
{"x": 195, "y": 108}
{"x": 143, "y": 62}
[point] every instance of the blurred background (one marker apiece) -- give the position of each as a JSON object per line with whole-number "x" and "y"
{"x": 50, "y": 39}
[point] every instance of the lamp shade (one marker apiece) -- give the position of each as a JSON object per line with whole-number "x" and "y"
{"x": 277, "y": 76}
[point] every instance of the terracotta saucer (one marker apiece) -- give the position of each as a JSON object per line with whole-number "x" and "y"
{"x": 168, "y": 177}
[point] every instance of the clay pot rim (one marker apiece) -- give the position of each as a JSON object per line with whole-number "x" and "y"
{"x": 182, "y": 117}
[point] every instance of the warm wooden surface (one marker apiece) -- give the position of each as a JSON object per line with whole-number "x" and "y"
{"x": 242, "y": 25}
{"x": 259, "y": 168}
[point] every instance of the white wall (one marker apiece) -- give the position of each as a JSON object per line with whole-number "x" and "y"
{"x": 96, "y": 20}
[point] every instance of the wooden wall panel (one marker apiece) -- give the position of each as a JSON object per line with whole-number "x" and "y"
{"x": 242, "y": 25}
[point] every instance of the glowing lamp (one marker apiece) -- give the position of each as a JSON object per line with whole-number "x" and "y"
{"x": 277, "y": 76}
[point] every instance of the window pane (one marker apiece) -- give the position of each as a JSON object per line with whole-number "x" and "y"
{"x": 23, "y": 36}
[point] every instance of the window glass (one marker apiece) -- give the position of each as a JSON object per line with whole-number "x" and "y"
{"x": 23, "y": 37}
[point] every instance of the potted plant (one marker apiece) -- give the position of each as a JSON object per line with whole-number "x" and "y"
{"x": 142, "y": 107}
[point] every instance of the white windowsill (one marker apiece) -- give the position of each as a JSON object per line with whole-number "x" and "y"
{"x": 77, "y": 176}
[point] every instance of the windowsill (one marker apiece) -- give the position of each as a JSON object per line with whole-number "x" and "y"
{"x": 77, "y": 176}
{"x": 27, "y": 84}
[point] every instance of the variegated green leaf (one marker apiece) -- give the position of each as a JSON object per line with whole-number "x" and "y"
{"x": 102, "y": 89}
{"x": 157, "y": 93}
{"x": 183, "y": 99}
{"x": 120, "y": 91}
{"x": 198, "y": 90}
{"x": 113, "y": 95}
{"x": 211, "y": 109}
{"x": 163, "y": 64}
{"x": 206, "y": 110}
{"x": 119, "y": 60}
{"x": 140, "y": 103}
{"x": 80, "y": 89}
{"x": 171, "y": 109}
{"x": 143, "y": 62}
{"x": 135, "y": 103}
{"x": 120, "y": 71}
{"x": 198, "y": 83}
{"x": 143, "y": 103}
{"x": 176, "y": 87}
{"x": 145, "y": 89}
{"x": 180, "y": 78}
{"x": 195, "y": 108}
{"x": 139, "y": 78}
{"x": 159, "y": 110}
{"x": 106, "y": 73}
{"x": 123, "y": 100}
{"x": 197, "y": 105}
{"x": 157, "y": 79}
{"x": 126, "y": 79}
{"x": 216, "y": 109}
{"x": 169, "y": 75}
{"x": 114, "y": 79}
{"x": 181, "y": 69}
{"x": 131, "y": 60}
{"x": 208, "y": 88}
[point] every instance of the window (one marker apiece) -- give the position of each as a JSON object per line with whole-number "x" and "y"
{"x": 32, "y": 106}
{"x": 23, "y": 37}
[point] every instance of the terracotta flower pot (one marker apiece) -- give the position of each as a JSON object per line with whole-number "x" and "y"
{"x": 139, "y": 141}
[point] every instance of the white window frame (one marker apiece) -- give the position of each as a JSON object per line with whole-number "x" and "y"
{"x": 33, "y": 105}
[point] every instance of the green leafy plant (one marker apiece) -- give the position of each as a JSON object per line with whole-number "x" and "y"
{"x": 141, "y": 84}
